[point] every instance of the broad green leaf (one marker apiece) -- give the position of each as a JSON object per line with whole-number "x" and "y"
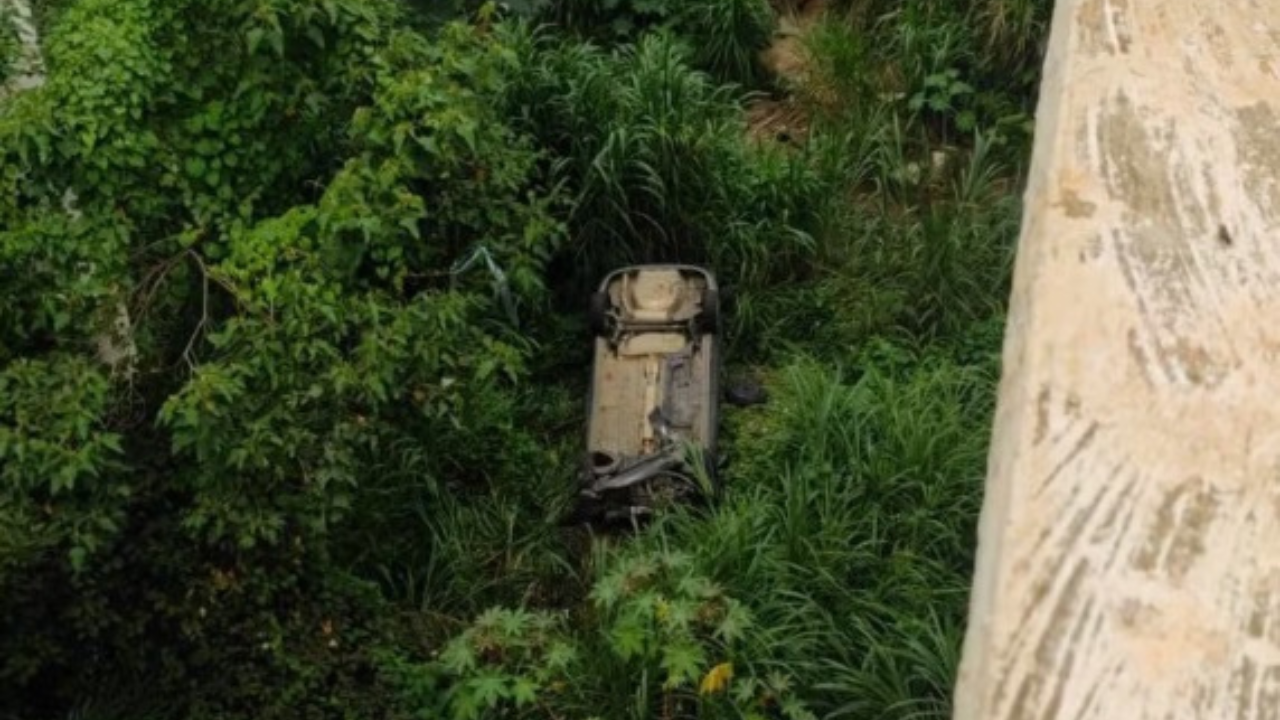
{"x": 253, "y": 39}
{"x": 524, "y": 691}
{"x": 560, "y": 655}
{"x": 683, "y": 661}
{"x": 489, "y": 688}
{"x": 316, "y": 35}
{"x": 458, "y": 656}
{"x": 736, "y": 620}
{"x": 629, "y": 637}
{"x": 77, "y": 556}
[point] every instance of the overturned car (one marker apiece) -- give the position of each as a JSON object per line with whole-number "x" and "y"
{"x": 652, "y": 413}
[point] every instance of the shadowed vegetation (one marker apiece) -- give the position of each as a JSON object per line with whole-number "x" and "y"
{"x": 291, "y": 382}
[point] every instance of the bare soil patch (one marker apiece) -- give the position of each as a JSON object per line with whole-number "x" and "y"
{"x": 783, "y": 119}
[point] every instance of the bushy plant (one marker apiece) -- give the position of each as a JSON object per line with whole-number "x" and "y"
{"x": 508, "y": 663}
{"x": 661, "y": 639}
{"x": 208, "y": 479}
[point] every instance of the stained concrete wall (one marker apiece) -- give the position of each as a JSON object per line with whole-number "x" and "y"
{"x": 29, "y": 69}
{"x": 1129, "y": 546}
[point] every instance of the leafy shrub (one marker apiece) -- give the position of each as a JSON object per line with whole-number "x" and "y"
{"x": 224, "y": 140}
{"x": 348, "y": 341}
{"x": 281, "y": 356}
{"x": 60, "y": 275}
{"x": 46, "y": 13}
{"x": 662, "y": 620}
{"x": 662, "y": 639}
{"x": 64, "y": 502}
{"x": 55, "y": 450}
{"x": 505, "y": 661}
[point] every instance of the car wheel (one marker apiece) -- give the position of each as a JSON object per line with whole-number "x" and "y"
{"x": 710, "y": 317}
{"x": 728, "y": 300}
{"x": 598, "y": 314}
{"x": 664, "y": 491}
{"x": 746, "y": 392}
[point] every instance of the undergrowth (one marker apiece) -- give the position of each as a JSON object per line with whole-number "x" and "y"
{"x": 831, "y": 580}
{"x": 354, "y": 243}
{"x": 727, "y": 35}
{"x": 650, "y": 150}
{"x": 10, "y": 46}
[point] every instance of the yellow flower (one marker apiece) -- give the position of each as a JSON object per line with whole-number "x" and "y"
{"x": 716, "y": 679}
{"x": 662, "y": 610}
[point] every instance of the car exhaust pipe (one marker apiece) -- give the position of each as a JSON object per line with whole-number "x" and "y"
{"x": 604, "y": 463}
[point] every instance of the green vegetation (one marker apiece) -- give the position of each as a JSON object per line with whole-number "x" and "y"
{"x": 292, "y": 354}
{"x": 10, "y": 46}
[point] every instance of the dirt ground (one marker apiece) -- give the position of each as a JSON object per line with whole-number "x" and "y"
{"x": 781, "y": 119}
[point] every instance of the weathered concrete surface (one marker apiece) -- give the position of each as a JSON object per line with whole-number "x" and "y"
{"x": 29, "y": 72}
{"x": 1129, "y": 548}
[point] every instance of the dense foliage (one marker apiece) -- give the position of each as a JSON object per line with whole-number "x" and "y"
{"x": 291, "y": 354}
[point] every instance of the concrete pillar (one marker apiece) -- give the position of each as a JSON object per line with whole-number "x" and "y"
{"x": 1129, "y": 547}
{"x": 29, "y": 70}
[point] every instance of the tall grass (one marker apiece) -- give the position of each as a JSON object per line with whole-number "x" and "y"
{"x": 841, "y": 548}
{"x": 1015, "y": 30}
{"x": 847, "y": 533}
{"x": 874, "y": 268}
{"x": 842, "y": 78}
{"x": 450, "y": 535}
{"x": 653, "y": 155}
{"x": 920, "y": 261}
{"x": 950, "y": 67}
{"x": 727, "y": 35}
